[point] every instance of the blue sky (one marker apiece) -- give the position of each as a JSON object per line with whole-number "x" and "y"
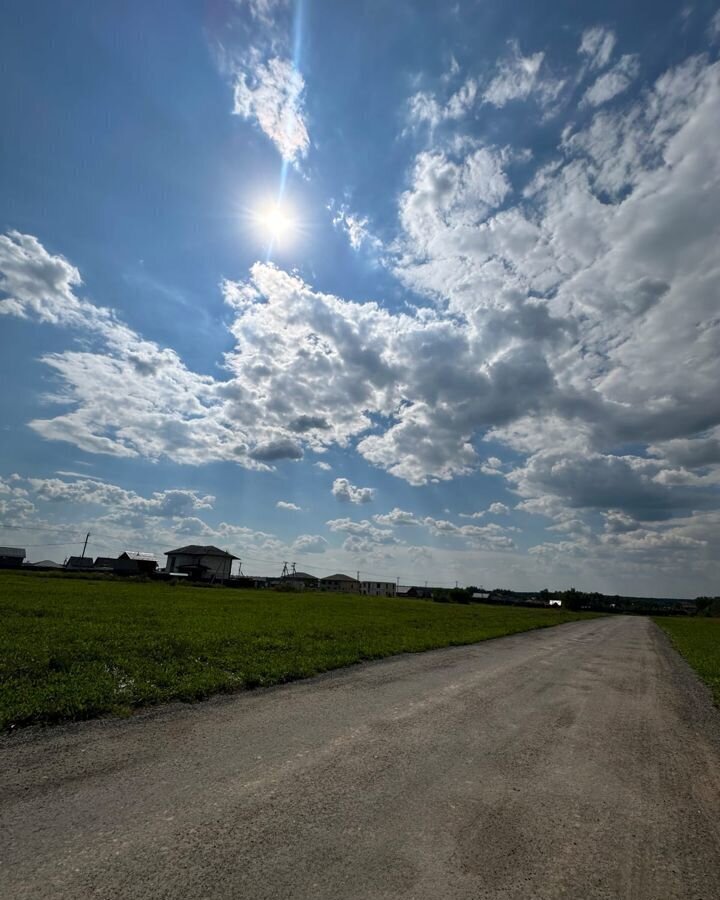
{"x": 444, "y": 277}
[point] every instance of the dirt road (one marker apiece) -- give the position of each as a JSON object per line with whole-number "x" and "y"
{"x": 581, "y": 762}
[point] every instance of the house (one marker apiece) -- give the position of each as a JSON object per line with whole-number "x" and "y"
{"x": 481, "y": 596}
{"x": 104, "y": 562}
{"x": 133, "y": 562}
{"x": 340, "y": 583}
{"x": 300, "y": 581}
{"x": 11, "y": 557}
{"x": 201, "y": 563}
{"x": 79, "y": 563}
{"x": 412, "y": 591}
{"x": 46, "y": 564}
{"x": 378, "y": 588}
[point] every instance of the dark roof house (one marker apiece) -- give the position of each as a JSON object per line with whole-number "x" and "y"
{"x": 200, "y": 550}
{"x": 340, "y": 582}
{"x": 79, "y": 562}
{"x": 133, "y": 562}
{"x": 202, "y": 562}
{"x": 11, "y": 557}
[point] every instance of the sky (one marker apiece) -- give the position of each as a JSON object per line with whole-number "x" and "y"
{"x": 424, "y": 291}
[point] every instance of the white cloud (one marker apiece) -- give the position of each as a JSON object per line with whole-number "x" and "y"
{"x": 425, "y": 108}
{"x": 714, "y": 27}
{"x": 272, "y": 94}
{"x": 356, "y": 228}
{"x": 363, "y": 536}
{"x": 350, "y": 493}
{"x": 518, "y": 77}
{"x": 264, "y": 11}
{"x": 397, "y": 516}
{"x": 284, "y": 504}
{"x": 597, "y": 45}
{"x": 495, "y": 509}
{"x": 310, "y": 543}
{"x": 326, "y": 467}
{"x": 613, "y": 82}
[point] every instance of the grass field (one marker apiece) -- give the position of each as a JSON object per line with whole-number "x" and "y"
{"x": 74, "y": 649}
{"x": 698, "y": 640}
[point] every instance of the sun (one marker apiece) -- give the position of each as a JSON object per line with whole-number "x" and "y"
{"x": 276, "y": 221}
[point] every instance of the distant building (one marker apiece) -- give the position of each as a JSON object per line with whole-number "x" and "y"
{"x": 104, "y": 562}
{"x": 11, "y": 557}
{"x": 378, "y": 588}
{"x": 340, "y": 583}
{"x": 481, "y": 596}
{"x": 133, "y": 562}
{"x": 412, "y": 591}
{"x": 301, "y": 581}
{"x": 46, "y": 564}
{"x": 201, "y": 563}
{"x": 79, "y": 563}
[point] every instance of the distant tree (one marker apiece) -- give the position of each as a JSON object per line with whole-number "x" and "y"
{"x": 572, "y": 599}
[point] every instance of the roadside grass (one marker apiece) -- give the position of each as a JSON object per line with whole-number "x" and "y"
{"x": 698, "y": 640}
{"x": 75, "y": 649}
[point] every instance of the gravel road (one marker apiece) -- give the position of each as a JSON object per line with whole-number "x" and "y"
{"x": 580, "y": 762}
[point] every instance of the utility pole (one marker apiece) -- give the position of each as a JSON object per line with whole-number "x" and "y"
{"x": 358, "y": 574}
{"x": 293, "y": 568}
{"x": 87, "y": 538}
{"x": 284, "y": 571}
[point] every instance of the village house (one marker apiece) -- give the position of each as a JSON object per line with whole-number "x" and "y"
{"x": 133, "y": 562}
{"x": 300, "y": 581}
{"x": 378, "y": 588}
{"x": 79, "y": 563}
{"x": 415, "y": 592}
{"x": 201, "y": 563}
{"x": 340, "y": 583}
{"x": 11, "y": 557}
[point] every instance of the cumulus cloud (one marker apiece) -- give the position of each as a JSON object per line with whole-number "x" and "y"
{"x": 495, "y": 509}
{"x": 363, "y": 536}
{"x": 274, "y": 450}
{"x": 350, "y": 493}
{"x": 285, "y": 504}
{"x": 397, "y": 516}
{"x": 310, "y": 543}
{"x": 271, "y": 93}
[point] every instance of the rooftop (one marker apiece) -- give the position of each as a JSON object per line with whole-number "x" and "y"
{"x": 12, "y": 551}
{"x": 200, "y": 550}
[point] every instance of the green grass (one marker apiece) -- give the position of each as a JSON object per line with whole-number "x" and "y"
{"x": 698, "y": 640}
{"x": 74, "y": 649}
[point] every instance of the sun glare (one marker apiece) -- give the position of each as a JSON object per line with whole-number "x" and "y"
{"x": 276, "y": 222}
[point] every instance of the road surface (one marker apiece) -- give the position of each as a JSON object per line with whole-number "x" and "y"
{"x": 580, "y": 762}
